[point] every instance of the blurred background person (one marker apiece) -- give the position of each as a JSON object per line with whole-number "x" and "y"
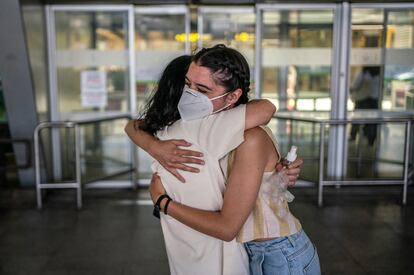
{"x": 364, "y": 93}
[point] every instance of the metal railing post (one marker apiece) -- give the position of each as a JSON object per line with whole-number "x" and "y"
{"x": 78, "y": 167}
{"x": 37, "y": 167}
{"x": 406, "y": 161}
{"x": 321, "y": 163}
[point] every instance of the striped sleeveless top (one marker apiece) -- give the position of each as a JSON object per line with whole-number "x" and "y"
{"x": 270, "y": 217}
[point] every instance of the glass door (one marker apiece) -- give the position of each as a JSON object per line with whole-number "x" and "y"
{"x": 91, "y": 68}
{"x": 296, "y": 56}
{"x": 295, "y": 69}
{"x": 231, "y": 26}
{"x": 160, "y": 35}
{"x": 381, "y": 83}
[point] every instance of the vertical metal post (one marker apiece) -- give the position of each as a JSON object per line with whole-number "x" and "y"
{"x": 337, "y": 153}
{"x": 187, "y": 28}
{"x": 132, "y": 63}
{"x": 258, "y": 55}
{"x": 53, "y": 91}
{"x": 200, "y": 30}
{"x": 321, "y": 163}
{"x": 135, "y": 160}
{"x": 359, "y": 148}
{"x": 78, "y": 168}
{"x": 313, "y": 138}
{"x": 406, "y": 160}
{"x": 37, "y": 168}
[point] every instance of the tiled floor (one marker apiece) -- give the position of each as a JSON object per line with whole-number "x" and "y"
{"x": 358, "y": 231}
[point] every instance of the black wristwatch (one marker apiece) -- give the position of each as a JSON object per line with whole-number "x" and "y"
{"x": 157, "y": 205}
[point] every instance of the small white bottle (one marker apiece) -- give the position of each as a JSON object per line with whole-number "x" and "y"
{"x": 291, "y": 156}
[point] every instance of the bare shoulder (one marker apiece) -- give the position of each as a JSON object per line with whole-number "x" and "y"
{"x": 256, "y": 138}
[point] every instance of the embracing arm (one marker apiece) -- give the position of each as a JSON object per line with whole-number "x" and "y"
{"x": 242, "y": 188}
{"x": 167, "y": 152}
{"x": 141, "y": 138}
{"x": 259, "y": 112}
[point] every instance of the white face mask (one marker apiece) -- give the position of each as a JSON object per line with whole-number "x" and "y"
{"x": 195, "y": 105}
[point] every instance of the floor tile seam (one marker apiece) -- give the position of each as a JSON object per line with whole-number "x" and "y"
{"x": 401, "y": 235}
{"x": 347, "y": 251}
{"x": 55, "y": 252}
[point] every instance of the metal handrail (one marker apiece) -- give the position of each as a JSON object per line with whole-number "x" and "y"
{"x": 76, "y": 184}
{"x": 337, "y": 122}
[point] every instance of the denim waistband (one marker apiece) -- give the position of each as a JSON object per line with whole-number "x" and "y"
{"x": 276, "y": 243}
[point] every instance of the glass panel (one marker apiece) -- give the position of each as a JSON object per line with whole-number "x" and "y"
{"x": 399, "y": 61}
{"x": 236, "y": 30}
{"x": 305, "y": 136}
{"x": 159, "y": 38}
{"x": 93, "y": 79}
{"x": 92, "y": 61}
{"x": 365, "y": 61}
{"x": 296, "y": 59}
{"x": 369, "y": 160}
{"x": 104, "y": 150}
{"x": 382, "y": 60}
{"x": 381, "y": 78}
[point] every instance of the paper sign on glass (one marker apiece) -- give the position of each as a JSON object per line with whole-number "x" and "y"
{"x": 93, "y": 89}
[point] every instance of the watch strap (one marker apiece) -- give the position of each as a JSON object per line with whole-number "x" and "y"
{"x": 157, "y": 205}
{"x": 166, "y": 205}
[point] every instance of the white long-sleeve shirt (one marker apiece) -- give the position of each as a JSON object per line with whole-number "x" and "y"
{"x": 191, "y": 252}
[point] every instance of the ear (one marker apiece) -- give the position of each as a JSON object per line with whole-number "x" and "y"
{"x": 233, "y": 96}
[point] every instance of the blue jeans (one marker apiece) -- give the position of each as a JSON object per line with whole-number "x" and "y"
{"x": 291, "y": 255}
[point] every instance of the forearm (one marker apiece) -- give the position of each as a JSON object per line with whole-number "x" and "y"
{"x": 259, "y": 112}
{"x": 212, "y": 223}
{"x": 141, "y": 138}
{"x": 242, "y": 188}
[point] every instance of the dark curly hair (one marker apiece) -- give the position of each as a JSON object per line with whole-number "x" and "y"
{"x": 161, "y": 110}
{"x": 228, "y": 67}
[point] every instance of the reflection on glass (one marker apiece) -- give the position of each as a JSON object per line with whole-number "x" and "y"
{"x": 89, "y": 42}
{"x": 92, "y": 78}
{"x": 383, "y": 39}
{"x": 235, "y": 30}
{"x": 158, "y": 39}
{"x": 296, "y": 59}
{"x": 399, "y": 60}
{"x": 381, "y": 78}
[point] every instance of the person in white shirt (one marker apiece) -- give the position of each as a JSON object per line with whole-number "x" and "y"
{"x": 364, "y": 92}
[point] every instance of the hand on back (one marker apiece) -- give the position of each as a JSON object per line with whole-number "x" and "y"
{"x": 173, "y": 158}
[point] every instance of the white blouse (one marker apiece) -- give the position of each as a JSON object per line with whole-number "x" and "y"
{"x": 191, "y": 252}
